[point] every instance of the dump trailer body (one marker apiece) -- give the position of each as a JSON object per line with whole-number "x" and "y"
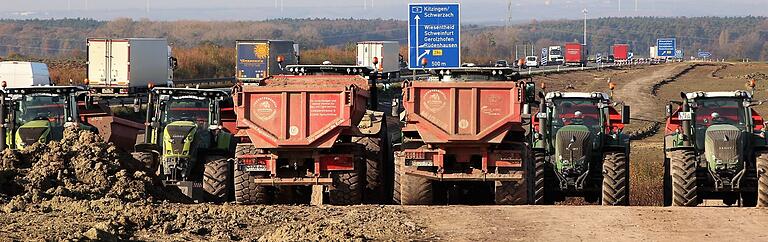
{"x": 463, "y": 120}
{"x": 120, "y": 131}
{"x": 119, "y": 67}
{"x": 259, "y": 59}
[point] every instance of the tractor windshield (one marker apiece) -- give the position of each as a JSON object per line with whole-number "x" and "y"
{"x": 41, "y": 107}
{"x": 194, "y": 109}
{"x": 576, "y": 111}
{"x": 712, "y": 111}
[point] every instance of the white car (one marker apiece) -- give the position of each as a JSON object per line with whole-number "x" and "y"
{"x": 532, "y": 61}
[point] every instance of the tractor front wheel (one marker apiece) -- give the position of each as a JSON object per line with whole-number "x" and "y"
{"x": 217, "y": 179}
{"x": 615, "y": 180}
{"x": 683, "y": 171}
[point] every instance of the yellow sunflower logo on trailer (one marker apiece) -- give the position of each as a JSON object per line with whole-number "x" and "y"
{"x": 261, "y": 51}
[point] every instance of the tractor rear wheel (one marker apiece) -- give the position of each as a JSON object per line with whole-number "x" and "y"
{"x": 348, "y": 188}
{"x": 396, "y": 185}
{"x": 684, "y": 185}
{"x": 415, "y": 190}
{"x": 511, "y": 192}
{"x": 762, "y": 180}
{"x": 615, "y": 180}
{"x": 217, "y": 179}
{"x": 667, "y": 183}
{"x": 246, "y": 190}
{"x": 374, "y": 149}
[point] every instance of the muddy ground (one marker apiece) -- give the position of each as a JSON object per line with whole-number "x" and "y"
{"x": 72, "y": 200}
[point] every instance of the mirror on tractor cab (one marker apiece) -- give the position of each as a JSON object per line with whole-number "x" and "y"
{"x": 530, "y": 92}
{"x": 625, "y": 114}
{"x": 136, "y": 105}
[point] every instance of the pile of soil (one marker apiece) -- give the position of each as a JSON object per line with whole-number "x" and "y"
{"x": 759, "y": 76}
{"x": 79, "y": 167}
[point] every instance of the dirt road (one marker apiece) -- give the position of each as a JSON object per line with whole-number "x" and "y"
{"x": 637, "y": 92}
{"x": 592, "y": 223}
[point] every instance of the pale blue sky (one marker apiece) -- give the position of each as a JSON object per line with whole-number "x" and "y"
{"x": 472, "y": 10}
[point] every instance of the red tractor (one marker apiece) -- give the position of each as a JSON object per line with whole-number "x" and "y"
{"x": 464, "y": 126}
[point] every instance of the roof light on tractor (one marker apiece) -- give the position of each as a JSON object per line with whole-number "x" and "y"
{"x": 424, "y": 62}
{"x": 5, "y": 84}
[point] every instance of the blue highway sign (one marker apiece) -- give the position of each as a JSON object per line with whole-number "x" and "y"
{"x": 434, "y": 35}
{"x": 704, "y": 54}
{"x": 666, "y": 47}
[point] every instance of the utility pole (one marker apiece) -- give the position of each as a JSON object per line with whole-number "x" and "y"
{"x": 619, "y": 6}
{"x": 636, "y": 5}
{"x": 585, "y": 25}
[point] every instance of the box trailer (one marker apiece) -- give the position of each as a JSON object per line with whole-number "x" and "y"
{"x": 24, "y": 74}
{"x": 381, "y": 56}
{"x": 575, "y": 54}
{"x": 620, "y": 52}
{"x": 555, "y": 56}
{"x": 259, "y": 59}
{"x": 120, "y": 67}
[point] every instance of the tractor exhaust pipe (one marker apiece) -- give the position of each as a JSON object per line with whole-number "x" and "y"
{"x": 374, "y": 103}
{"x": 3, "y": 137}
{"x": 148, "y": 121}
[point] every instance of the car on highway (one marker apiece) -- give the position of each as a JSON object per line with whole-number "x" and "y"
{"x": 532, "y": 61}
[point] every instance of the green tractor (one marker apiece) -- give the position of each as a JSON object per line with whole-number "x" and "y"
{"x": 39, "y": 114}
{"x": 580, "y": 149}
{"x": 715, "y": 148}
{"x": 186, "y": 142}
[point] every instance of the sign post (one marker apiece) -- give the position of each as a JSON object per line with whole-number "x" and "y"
{"x": 544, "y": 56}
{"x": 434, "y": 36}
{"x": 666, "y": 47}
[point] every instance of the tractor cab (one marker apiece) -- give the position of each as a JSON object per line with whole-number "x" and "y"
{"x": 184, "y": 124}
{"x": 40, "y": 113}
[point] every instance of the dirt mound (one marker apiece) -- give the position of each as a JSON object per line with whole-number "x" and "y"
{"x": 759, "y": 76}
{"x": 79, "y": 167}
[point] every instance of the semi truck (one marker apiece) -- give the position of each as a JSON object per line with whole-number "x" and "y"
{"x": 575, "y": 54}
{"x": 259, "y": 59}
{"x": 381, "y": 56}
{"x": 555, "y": 56}
{"x": 121, "y": 67}
{"x": 620, "y": 52}
{"x": 24, "y": 74}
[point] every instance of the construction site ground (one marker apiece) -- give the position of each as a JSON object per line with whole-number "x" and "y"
{"x": 58, "y": 206}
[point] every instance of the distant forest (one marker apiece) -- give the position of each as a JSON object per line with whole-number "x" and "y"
{"x": 205, "y": 49}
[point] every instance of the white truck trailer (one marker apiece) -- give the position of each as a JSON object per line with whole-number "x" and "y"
{"x": 24, "y": 74}
{"x": 121, "y": 67}
{"x": 382, "y": 56}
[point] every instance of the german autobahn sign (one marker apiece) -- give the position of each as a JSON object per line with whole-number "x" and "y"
{"x": 666, "y": 47}
{"x": 434, "y": 35}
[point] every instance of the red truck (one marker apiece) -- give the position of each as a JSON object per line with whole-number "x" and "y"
{"x": 461, "y": 129}
{"x": 575, "y": 54}
{"x": 311, "y": 129}
{"x": 621, "y": 52}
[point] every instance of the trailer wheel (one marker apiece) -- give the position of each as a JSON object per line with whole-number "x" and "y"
{"x": 415, "y": 190}
{"x": 348, "y": 189}
{"x": 511, "y": 192}
{"x": 762, "y": 180}
{"x": 684, "y": 187}
{"x": 615, "y": 180}
{"x": 217, "y": 179}
{"x": 396, "y": 185}
{"x": 246, "y": 191}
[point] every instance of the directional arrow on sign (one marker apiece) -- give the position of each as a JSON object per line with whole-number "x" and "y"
{"x": 417, "y": 18}
{"x": 426, "y": 52}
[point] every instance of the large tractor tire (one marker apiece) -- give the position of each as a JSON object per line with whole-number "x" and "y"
{"x": 146, "y": 159}
{"x": 511, "y": 192}
{"x": 217, "y": 179}
{"x": 415, "y": 190}
{"x": 684, "y": 184}
{"x": 762, "y": 180}
{"x": 667, "y": 183}
{"x": 348, "y": 188}
{"x": 246, "y": 191}
{"x": 374, "y": 149}
{"x": 615, "y": 180}
{"x": 539, "y": 179}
